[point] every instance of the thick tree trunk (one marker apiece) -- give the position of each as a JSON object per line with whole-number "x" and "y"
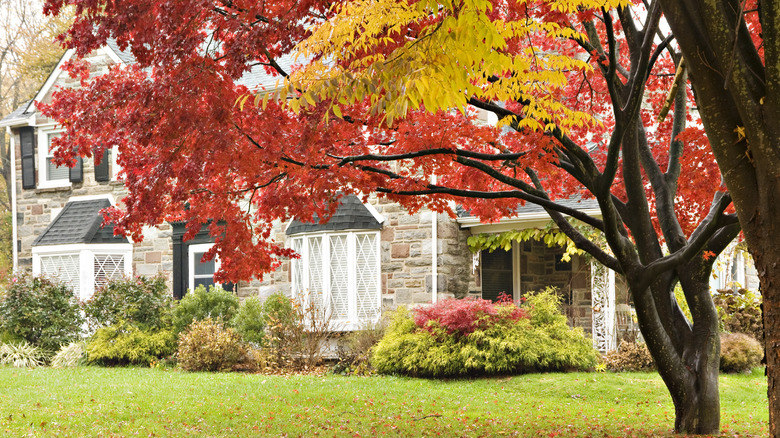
{"x": 766, "y": 255}
{"x": 687, "y": 357}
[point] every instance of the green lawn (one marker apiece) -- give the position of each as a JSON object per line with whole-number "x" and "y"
{"x": 151, "y": 402}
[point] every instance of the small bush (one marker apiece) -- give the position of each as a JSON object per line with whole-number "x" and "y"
{"x": 22, "y": 355}
{"x": 739, "y": 353}
{"x": 40, "y": 312}
{"x": 463, "y": 316}
{"x": 215, "y": 303}
{"x": 298, "y": 331}
{"x": 354, "y": 350}
{"x": 141, "y": 301}
{"x": 740, "y": 312}
{"x": 249, "y": 322}
{"x": 208, "y": 346}
{"x": 126, "y": 344}
{"x": 540, "y": 341}
{"x": 630, "y": 356}
{"x": 71, "y": 355}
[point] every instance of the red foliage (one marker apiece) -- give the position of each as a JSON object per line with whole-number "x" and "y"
{"x": 464, "y": 316}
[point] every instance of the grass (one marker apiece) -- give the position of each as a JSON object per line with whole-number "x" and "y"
{"x": 90, "y": 401}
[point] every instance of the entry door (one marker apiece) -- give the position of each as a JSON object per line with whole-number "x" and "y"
{"x": 500, "y": 273}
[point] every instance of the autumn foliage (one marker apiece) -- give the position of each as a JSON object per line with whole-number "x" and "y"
{"x": 462, "y": 317}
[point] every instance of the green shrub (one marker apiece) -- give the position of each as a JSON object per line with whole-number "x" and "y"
{"x": 22, "y": 355}
{"x": 740, "y": 312}
{"x": 141, "y": 301}
{"x": 249, "y": 322}
{"x": 41, "y": 312}
{"x": 200, "y": 304}
{"x": 739, "y": 353}
{"x": 630, "y": 356}
{"x": 208, "y": 346}
{"x": 541, "y": 342}
{"x": 71, "y": 355}
{"x": 126, "y": 344}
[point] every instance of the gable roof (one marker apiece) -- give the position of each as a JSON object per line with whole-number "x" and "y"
{"x": 80, "y": 222}
{"x": 19, "y": 116}
{"x": 351, "y": 214}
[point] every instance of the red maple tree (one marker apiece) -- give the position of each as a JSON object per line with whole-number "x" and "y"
{"x": 193, "y": 148}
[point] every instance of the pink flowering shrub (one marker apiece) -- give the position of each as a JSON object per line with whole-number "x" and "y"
{"x": 463, "y": 317}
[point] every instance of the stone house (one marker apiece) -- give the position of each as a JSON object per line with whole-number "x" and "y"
{"x": 367, "y": 258}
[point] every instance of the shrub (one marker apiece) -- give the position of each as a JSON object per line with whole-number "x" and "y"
{"x": 630, "y": 356}
{"x": 463, "y": 316}
{"x": 215, "y": 303}
{"x": 22, "y": 355}
{"x": 298, "y": 331}
{"x": 208, "y": 346}
{"x": 740, "y": 312}
{"x": 354, "y": 350}
{"x": 739, "y": 353}
{"x": 126, "y": 344}
{"x": 249, "y": 322}
{"x": 41, "y": 312}
{"x": 141, "y": 301}
{"x": 71, "y": 355}
{"x": 540, "y": 341}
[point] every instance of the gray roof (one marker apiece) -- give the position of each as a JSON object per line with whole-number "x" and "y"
{"x": 351, "y": 214}
{"x": 125, "y": 55}
{"x": 80, "y": 222}
{"x": 257, "y": 79}
{"x": 575, "y": 202}
{"x": 23, "y": 112}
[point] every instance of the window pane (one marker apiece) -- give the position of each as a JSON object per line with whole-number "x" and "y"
{"x": 203, "y": 268}
{"x": 315, "y": 271}
{"x": 64, "y": 267}
{"x": 206, "y": 282}
{"x": 54, "y": 172}
{"x": 496, "y": 274}
{"x": 367, "y": 273}
{"x": 339, "y": 277}
{"x": 108, "y": 267}
{"x": 297, "y": 267}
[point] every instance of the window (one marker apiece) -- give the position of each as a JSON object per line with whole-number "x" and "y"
{"x": 340, "y": 272}
{"x": 85, "y": 268}
{"x": 201, "y": 273}
{"x": 50, "y": 175}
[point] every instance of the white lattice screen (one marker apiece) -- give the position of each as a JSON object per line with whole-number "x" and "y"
{"x": 316, "y": 289}
{"x": 367, "y": 270}
{"x": 108, "y": 267}
{"x": 64, "y": 267}
{"x": 339, "y": 277}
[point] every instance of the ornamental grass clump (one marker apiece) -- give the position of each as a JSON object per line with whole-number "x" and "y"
{"x": 478, "y": 337}
{"x": 22, "y": 355}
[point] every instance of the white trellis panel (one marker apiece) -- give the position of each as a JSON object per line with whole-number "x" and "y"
{"x": 64, "y": 267}
{"x": 339, "y": 277}
{"x": 367, "y": 275}
{"x": 108, "y": 267}
{"x": 603, "y": 302}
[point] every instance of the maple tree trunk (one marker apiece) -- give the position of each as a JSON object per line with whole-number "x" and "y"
{"x": 687, "y": 357}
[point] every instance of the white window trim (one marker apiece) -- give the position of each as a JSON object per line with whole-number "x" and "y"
{"x": 43, "y": 153}
{"x": 200, "y": 247}
{"x": 86, "y": 253}
{"x": 114, "y": 164}
{"x": 352, "y": 322}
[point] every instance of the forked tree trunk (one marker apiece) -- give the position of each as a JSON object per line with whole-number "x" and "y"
{"x": 687, "y": 357}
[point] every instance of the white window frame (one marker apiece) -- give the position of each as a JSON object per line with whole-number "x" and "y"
{"x": 43, "y": 155}
{"x": 199, "y": 248}
{"x": 352, "y": 322}
{"x": 86, "y": 256}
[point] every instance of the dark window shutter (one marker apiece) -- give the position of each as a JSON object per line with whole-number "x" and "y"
{"x": 101, "y": 170}
{"x": 496, "y": 274}
{"x": 76, "y": 173}
{"x": 27, "y": 140}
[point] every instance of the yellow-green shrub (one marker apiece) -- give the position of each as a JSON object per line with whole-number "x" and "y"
{"x": 208, "y": 346}
{"x": 126, "y": 344}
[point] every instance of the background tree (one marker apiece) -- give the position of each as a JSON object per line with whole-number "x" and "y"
{"x": 577, "y": 87}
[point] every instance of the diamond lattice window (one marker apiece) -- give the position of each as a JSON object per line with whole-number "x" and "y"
{"x": 340, "y": 270}
{"x": 108, "y": 267}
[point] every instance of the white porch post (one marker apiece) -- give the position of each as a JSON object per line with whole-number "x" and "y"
{"x": 603, "y": 305}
